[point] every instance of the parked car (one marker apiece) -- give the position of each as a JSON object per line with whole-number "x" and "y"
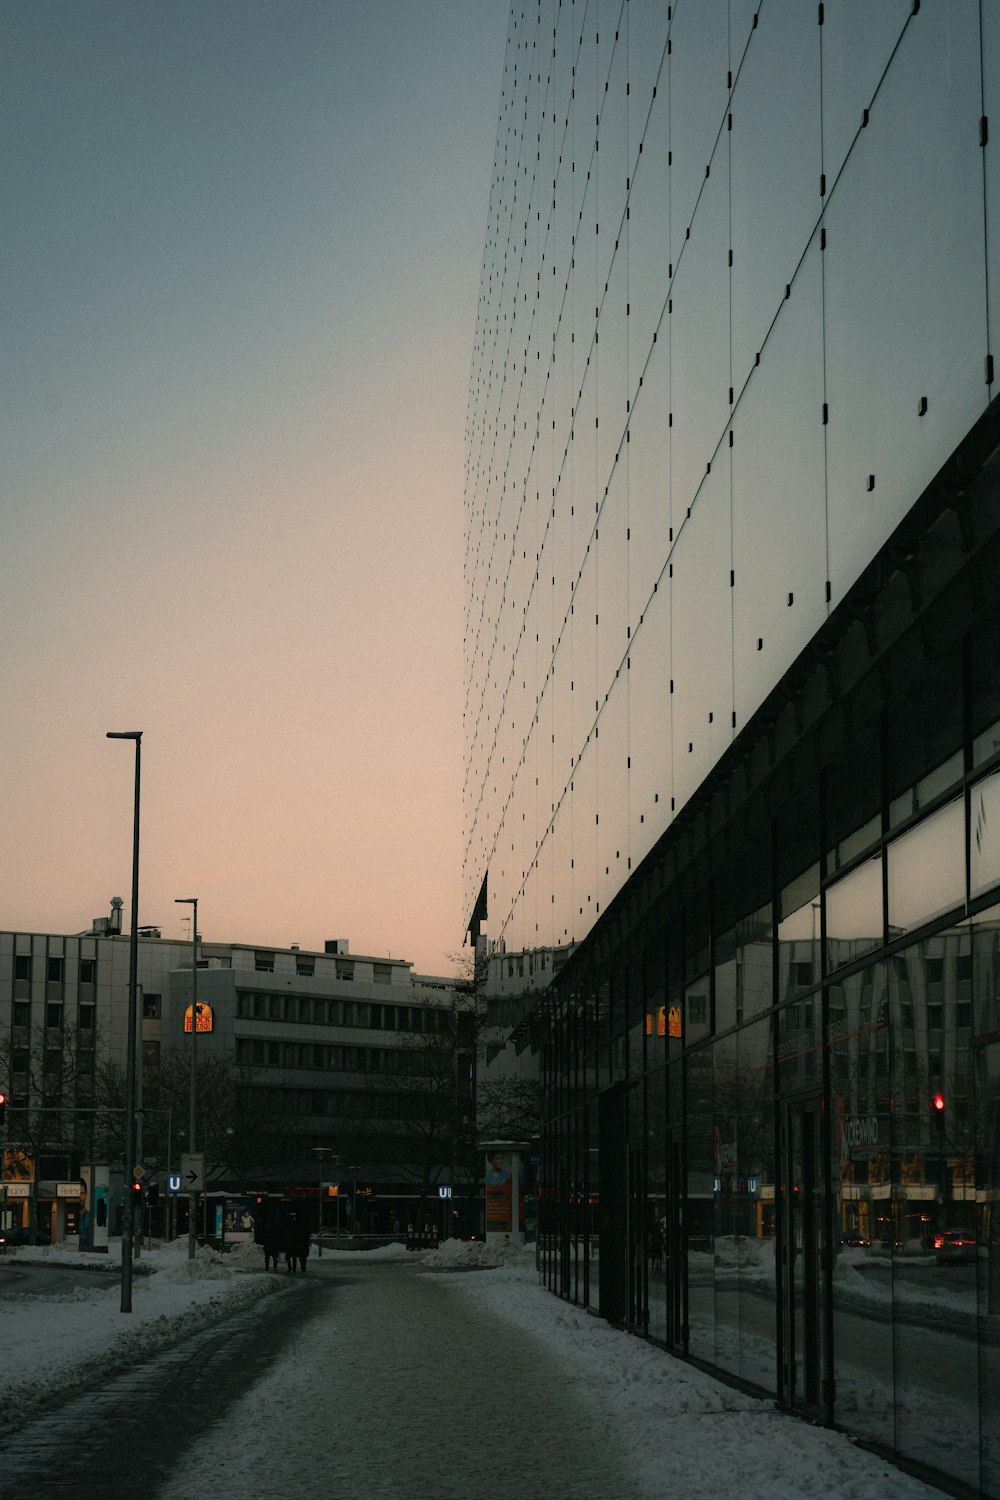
{"x": 11, "y": 1238}
{"x": 955, "y": 1247}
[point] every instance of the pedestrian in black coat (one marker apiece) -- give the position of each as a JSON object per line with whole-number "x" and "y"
{"x": 271, "y": 1240}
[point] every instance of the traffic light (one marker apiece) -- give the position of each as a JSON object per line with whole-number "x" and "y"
{"x": 153, "y": 1194}
{"x": 938, "y": 1109}
{"x": 137, "y": 1191}
{"x": 3, "y": 1105}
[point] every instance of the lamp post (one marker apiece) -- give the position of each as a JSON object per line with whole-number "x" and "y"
{"x": 128, "y": 1207}
{"x": 322, "y": 1152}
{"x": 192, "y": 901}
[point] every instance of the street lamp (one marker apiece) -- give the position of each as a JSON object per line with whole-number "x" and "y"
{"x": 128, "y": 1207}
{"x": 192, "y": 901}
{"x": 322, "y": 1152}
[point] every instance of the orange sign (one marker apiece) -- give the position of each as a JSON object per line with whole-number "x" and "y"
{"x": 674, "y": 1021}
{"x": 204, "y": 1017}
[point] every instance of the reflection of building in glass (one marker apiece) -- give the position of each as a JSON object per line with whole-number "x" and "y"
{"x": 733, "y": 687}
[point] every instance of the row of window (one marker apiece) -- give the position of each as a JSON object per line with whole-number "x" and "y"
{"x": 55, "y": 969}
{"x": 55, "y": 1014}
{"x": 254, "y": 1052}
{"x": 321, "y": 1011}
{"x": 344, "y": 1104}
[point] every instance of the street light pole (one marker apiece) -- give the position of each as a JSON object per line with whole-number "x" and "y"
{"x": 128, "y": 1206}
{"x": 322, "y": 1152}
{"x": 192, "y": 901}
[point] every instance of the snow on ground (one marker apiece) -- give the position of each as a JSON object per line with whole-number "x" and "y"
{"x": 686, "y": 1433}
{"x": 67, "y": 1339}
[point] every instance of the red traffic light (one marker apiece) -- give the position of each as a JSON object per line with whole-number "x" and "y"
{"x": 137, "y": 1187}
{"x": 937, "y": 1102}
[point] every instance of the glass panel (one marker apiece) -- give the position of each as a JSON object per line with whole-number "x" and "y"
{"x": 701, "y": 631}
{"x": 853, "y": 798}
{"x": 612, "y": 792}
{"x": 730, "y": 1206}
{"x": 649, "y": 726}
{"x": 854, "y": 914}
{"x": 905, "y": 287}
{"x": 701, "y": 1173}
{"x": 779, "y": 548}
{"x": 861, "y": 1187}
{"x": 657, "y": 1192}
{"x": 985, "y": 706}
{"x": 743, "y": 978}
{"x": 775, "y": 118}
{"x": 699, "y": 349}
{"x": 799, "y": 1045}
{"x": 987, "y": 1061}
{"x": 755, "y": 1184}
{"x": 926, "y": 869}
{"x": 648, "y": 479}
{"x": 935, "y": 1271}
{"x": 858, "y": 39}
{"x": 697, "y": 65}
{"x": 984, "y": 836}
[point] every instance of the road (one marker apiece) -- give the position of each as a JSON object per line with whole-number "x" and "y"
{"x": 19, "y": 1278}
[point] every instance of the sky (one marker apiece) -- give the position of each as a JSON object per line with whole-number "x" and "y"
{"x": 239, "y": 268}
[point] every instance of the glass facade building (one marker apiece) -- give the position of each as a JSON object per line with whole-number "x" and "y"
{"x": 733, "y": 684}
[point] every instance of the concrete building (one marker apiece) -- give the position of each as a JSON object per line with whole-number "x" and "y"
{"x": 733, "y": 685}
{"x": 309, "y": 1060}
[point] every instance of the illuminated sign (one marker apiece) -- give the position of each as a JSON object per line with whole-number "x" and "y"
{"x": 204, "y": 1017}
{"x": 674, "y": 1021}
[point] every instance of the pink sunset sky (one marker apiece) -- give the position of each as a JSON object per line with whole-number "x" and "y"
{"x": 241, "y": 252}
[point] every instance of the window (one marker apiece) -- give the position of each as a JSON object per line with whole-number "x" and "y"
{"x": 22, "y": 1013}
{"x": 87, "y": 1017}
{"x": 345, "y": 969}
{"x": 802, "y": 974}
{"x": 150, "y": 1007}
{"x": 54, "y": 970}
{"x": 22, "y": 966}
{"x": 264, "y": 963}
{"x": 305, "y": 967}
{"x": 53, "y": 1015}
{"x": 88, "y": 971}
{"x": 275, "y": 1007}
{"x": 383, "y": 973}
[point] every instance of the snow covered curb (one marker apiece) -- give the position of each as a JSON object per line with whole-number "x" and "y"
{"x": 57, "y": 1345}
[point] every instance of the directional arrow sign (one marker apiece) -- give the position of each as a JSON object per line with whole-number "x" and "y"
{"x": 193, "y": 1172}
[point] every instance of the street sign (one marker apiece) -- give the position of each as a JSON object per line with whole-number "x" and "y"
{"x": 444, "y": 1192}
{"x": 192, "y": 1172}
{"x": 173, "y": 1182}
{"x": 138, "y": 1173}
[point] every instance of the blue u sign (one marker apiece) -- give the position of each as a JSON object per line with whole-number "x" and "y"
{"x": 174, "y": 1182}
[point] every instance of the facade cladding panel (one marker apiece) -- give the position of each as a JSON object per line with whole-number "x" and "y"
{"x": 733, "y": 685}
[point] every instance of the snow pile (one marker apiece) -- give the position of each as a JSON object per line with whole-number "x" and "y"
{"x": 473, "y": 1255}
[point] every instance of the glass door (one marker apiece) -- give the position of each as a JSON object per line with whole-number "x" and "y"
{"x": 802, "y": 1258}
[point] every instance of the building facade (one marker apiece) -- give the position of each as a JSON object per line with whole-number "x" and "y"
{"x": 309, "y": 1065}
{"x": 733, "y": 685}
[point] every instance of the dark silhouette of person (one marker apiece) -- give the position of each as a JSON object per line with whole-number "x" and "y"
{"x": 271, "y": 1240}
